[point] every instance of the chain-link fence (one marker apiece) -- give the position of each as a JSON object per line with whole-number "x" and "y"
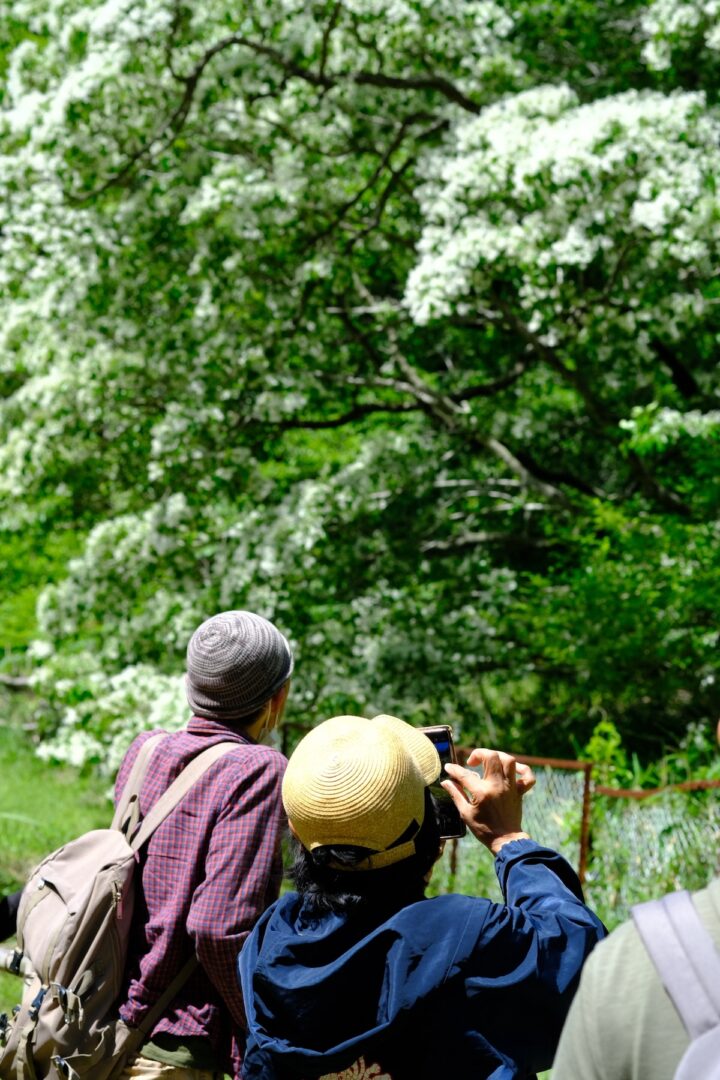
{"x": 643, "y": 844}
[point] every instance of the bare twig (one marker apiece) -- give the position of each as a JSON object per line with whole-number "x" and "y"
{"x": 478, "y": 539}
{"x": 331, "y": 24}
{"x": 395, "y": 144}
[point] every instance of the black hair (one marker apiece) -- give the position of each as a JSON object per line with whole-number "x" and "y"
{"x": 389, "y": 888}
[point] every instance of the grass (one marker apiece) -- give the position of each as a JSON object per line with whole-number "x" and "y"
{"x": 41, "y": 807}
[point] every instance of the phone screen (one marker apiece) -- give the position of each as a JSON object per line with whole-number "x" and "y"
{"x": 451, "y": 824}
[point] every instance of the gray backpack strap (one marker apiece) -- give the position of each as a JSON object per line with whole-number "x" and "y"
{"x": 182, "y": 784}
{"x": 127, "y": 803}
{"x": 685, "y": 956}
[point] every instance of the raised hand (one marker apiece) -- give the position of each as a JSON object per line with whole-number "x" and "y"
{"x": 491, "y": 805}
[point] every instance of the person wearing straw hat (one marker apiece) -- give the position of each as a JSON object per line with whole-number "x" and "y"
{"x": 358, "y": 976}
{"x": 213, "y": 865}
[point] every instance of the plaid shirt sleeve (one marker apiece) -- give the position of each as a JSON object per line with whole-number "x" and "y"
{"x": 242, "y": 872}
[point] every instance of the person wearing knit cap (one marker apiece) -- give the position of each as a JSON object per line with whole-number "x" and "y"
{"x": 358, "y": 975}
{"x": 213, "y": 866}
{"x": 236, "y": 663}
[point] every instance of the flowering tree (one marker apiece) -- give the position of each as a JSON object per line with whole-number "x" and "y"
{"x": 393, "y": 320}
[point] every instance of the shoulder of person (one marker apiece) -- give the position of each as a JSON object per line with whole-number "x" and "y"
{"x": 134, "y": 748}
{"x": 252, "y": 757}
{"x": 451, "y": 917}
{"x": 620, "y": 953}
{"x": 707, "y": 902}
{"x": 257, "y": 752}
{"x": 144, "y": 736}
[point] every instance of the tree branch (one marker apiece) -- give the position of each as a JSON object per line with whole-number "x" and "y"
{"x": 491, "y": 388}
{"x": 556, "y": 477}
{"x": 596, "y": 409}
{"x": 395, "y": 178}
{"x": 173, "y": 124}
{"x": 395, "y": 144}
{"x": 452, "y": 415}
{"x": 477, "y": 539}
{"x": 356, "y": 413}
{"x": 331, "y": 24}
{"x": 682, "y": 377}
{"x": 429, "y": 82}
{"x": 15, "y": 682}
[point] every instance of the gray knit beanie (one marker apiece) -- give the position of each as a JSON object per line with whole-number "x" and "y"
{"x": 236, "y": 661}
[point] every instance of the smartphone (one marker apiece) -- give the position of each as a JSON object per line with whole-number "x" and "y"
{"x": 451, "y": 824}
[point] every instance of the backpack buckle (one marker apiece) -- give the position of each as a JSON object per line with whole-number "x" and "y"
{"x": 69, "y": 1002}
{"x": 14, "y": 965}
{"x": 37, "y": 1002}
{"x": 64, "y": 1067}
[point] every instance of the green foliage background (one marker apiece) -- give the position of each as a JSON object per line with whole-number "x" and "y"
{"x": 394, "y": 321}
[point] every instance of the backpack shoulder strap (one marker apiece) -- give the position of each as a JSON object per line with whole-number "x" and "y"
{"x": 685, "y": 956}
{"x": 126, "y": 805}
{"x": 178, "y": 789}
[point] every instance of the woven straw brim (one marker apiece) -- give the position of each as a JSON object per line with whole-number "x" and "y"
{"x": 359, "y": 782}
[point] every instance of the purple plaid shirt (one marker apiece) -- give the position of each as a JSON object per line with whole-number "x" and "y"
{"x": 208, "y": 872}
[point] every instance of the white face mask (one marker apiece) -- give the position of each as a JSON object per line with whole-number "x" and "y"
{"x": 270, "y": 738}
{"x": 269, "y": 734}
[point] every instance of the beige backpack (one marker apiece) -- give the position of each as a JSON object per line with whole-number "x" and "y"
{"x": 73, "y": 925}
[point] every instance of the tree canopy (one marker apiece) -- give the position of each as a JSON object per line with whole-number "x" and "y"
{"x": 395, "y": 321}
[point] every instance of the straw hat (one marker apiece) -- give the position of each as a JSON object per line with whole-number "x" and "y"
{"x": 361, "y": 782}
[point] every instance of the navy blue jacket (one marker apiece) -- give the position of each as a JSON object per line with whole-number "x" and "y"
{"x": 449, "y": 986}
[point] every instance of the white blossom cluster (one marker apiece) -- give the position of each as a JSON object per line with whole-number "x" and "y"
{"x": 482, "y": 26}
{"x": 652, "y": 427}
{"x": 115, "y": 709}
{"x": 123, "y": 556}
{"x": 669, "y": 26}
{"x": 67, "y": 384}
{"x": 75, "y": 49}
{"x": 540, "y": 187}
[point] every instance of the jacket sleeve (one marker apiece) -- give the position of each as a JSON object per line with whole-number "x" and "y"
{"x": 8, "y": 914}
{"x": 531, "y": 953}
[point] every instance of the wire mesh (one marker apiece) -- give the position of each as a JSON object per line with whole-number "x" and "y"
{"x": 643, "y": 849}
{"x": 552, "y": 810}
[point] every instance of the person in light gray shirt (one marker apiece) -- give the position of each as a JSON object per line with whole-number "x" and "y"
{"x": 622, "y": 1024}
